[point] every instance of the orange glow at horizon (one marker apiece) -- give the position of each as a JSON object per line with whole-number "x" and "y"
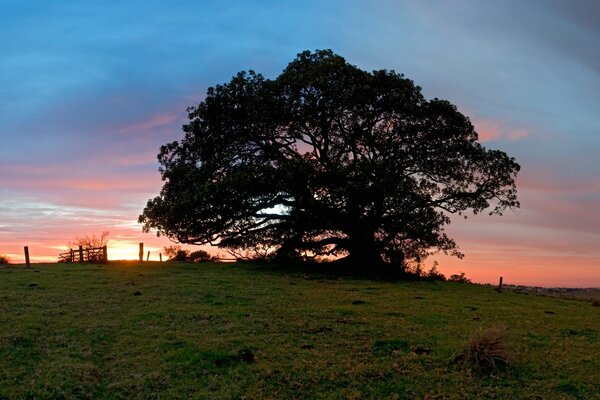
{"x": 481, "y": 265}
{"x": 129, "y": 250}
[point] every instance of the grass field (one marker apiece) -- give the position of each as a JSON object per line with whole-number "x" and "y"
{"x": 161, "y": 331}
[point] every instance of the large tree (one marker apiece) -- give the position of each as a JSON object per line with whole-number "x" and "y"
{"x": 326, "y": 159}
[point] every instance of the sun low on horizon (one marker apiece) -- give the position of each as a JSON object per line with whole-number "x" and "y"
{"x": 90, "y": 92}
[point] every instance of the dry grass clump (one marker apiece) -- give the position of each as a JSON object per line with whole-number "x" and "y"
{"x": 4, "y": 259}
{"x": 486, "y": 350}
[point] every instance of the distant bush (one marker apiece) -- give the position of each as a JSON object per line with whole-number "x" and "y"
{"x": 596, "y": 303}
{"x": 460, "y": 278}
{"x": 200, "y": 256}
{"x": 435, "y": 274}
{"x": 87, "y": 241}
{"x": 486, "y": 350}
{"x": 181, "y": 255}
{"x": 4, "y": 259}
{"x": 176, "y": 253}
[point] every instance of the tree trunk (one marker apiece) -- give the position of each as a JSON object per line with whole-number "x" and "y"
{"x": 364, "y": 253}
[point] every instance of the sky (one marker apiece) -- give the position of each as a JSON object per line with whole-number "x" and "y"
{"x": 90, "y": 90}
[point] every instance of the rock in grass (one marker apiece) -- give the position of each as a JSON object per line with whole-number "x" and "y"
{"x": 307, "y": 347}
{"x": 246, "y": 355}
{"x": 137, "y": 293}
{"x": 33, "y": 284}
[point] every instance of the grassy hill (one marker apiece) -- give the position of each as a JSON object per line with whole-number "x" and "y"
{"x": 229, "y": 331}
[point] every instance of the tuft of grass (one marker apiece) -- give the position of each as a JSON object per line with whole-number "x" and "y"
{"x": 486, "y": 350}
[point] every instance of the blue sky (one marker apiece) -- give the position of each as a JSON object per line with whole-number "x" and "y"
{"x": 90, "y": 90}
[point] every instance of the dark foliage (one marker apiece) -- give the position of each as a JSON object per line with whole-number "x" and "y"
{"x": 176, "y": 253}
{"x": 93, "y": 241}
{"x": 434, "y": 273}
{"x": 200, "y": 256}
{"x": 4, "y": 259}
{"x": 326, "y": 160}
{"x": 460, "y": 278}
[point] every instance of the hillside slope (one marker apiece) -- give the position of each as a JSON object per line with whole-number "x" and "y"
{"x": 131, "y": 330}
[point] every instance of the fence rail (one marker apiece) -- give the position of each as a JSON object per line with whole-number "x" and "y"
{"x": 89, "y": 254}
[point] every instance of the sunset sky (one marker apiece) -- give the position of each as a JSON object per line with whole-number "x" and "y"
{"x": 90, "y": 90}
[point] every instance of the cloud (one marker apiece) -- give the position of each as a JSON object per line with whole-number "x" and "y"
{"x": 489, "y": 129}
{"x": 152, "y": 122}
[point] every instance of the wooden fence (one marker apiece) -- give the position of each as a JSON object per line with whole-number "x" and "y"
{"x": 90, "y": 254}
{"x": 99, "y": 254}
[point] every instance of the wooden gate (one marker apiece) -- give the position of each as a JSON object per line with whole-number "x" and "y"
{"x": 89, "y": 254}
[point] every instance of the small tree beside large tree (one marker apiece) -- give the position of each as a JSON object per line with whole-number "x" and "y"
{"x": 326, "y": 159}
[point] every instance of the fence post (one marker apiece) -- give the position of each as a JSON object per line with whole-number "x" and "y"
{"x": 141, "y": 252}
{"x": 27, "y": 262}
{"x": 148, "y": 256}
{"x": 72, "y": 259}
{"x": 105, "y": 253}
{"x": 160, "y": 256}
{"x": 80, "y": 254}
{"x": 500, "y": 284}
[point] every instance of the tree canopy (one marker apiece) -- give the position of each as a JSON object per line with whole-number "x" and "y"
{"x": 326, "y": 159}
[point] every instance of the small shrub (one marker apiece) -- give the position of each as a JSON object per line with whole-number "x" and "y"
{"x": 486, "y": 350}
{"x": 176, "y": 253}
{"x": 4, "y": 259}
{"x": 181, "y": 255}
{"x": 596, "y": 303}
{"x": 200, "y": 256}
{"x": 460, "y": 278}
{"x": 435, "y": 274}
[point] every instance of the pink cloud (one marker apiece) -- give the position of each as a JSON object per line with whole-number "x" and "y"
{"x": 152, "y": 122}
{"x": 548, "y": 181}
{"x": 489, "y": 129}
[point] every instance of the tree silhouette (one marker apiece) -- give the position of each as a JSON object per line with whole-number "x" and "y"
{"x": 326, "y": 159}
